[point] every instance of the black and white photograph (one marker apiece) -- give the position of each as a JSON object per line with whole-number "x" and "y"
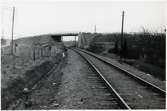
{"x": 83, "y": 54}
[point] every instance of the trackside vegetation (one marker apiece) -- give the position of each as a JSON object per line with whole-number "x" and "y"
{"x": 146, "y": 47}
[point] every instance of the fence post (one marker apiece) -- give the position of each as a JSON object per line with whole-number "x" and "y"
{"x": 34, "y": 55}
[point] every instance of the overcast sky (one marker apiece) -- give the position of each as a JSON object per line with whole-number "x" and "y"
{"x": 33, "y": 18}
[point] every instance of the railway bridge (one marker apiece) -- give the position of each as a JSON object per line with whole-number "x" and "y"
{"x": 58, "y": 36}
{"x": 83, "y": 38}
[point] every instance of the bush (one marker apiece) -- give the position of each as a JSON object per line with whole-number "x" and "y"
{"x": 96, "y": 48}
{"x": 138, "y": 44}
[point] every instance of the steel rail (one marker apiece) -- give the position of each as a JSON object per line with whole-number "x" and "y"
{"x": 120, "y": 100}
{"x": 140, "y": 80}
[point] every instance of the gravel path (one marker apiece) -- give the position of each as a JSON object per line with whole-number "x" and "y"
{"x": 76, "y": 90}
{"x": 73, "y": 86}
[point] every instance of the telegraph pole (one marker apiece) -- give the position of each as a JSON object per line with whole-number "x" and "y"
{"x": 2, "y": 40}
{"x": 121, "y": 54}
{"x": 12, "y": 53}
{"x": 12, "y": 30}
{"x": 75, "y": 41}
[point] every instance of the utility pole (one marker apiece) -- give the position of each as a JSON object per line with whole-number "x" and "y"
{"x": 121, "y": 54}
{"x": 2, "y": 39}
{"x": 12, "y": 52}
{"x": 12, "y": 30}
{"x": 75, "y": 41}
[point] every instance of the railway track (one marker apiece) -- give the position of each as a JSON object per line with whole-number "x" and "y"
{"x": 130, "y": 91}
{"x": 106, "y": 96}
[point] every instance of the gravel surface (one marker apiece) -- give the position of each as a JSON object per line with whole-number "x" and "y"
{"x": 137, "y": 72}
{"x": 80, "y": 87}
{"x": 136, "y": 95}
{"x": 73, "y": 86}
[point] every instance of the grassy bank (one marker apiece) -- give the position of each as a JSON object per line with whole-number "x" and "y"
{"x": 15, "y": 88}
{"x": 32, "y": 58}
{"x": 148, "y": 48}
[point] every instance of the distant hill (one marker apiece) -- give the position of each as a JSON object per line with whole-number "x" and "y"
{"x": 34, "y": 39}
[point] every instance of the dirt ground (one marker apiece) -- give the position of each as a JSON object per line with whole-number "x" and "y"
{"x": 69, "y": 87}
